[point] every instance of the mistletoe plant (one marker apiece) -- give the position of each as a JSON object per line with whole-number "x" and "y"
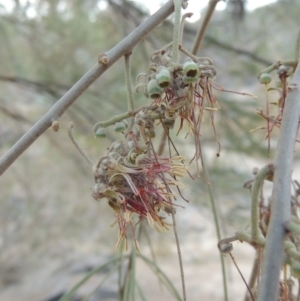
{"x": 141, "y": 183}
{"x": 138, "y": 181}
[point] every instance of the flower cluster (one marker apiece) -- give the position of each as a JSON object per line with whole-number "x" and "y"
{"x": 137, "y": 184}
{"x": 135, "y": 179}
{"x": 182, "y": 90}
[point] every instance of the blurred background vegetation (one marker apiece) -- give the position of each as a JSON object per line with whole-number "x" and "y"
{"x": 48, "y": 219}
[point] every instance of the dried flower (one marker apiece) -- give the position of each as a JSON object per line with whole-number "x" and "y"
{"x": 137, "y": 184}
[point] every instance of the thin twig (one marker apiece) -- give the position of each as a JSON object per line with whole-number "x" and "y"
{"x": 69, "y": 98}
{"x": 181, "y": 29}
{"x": 179, "y": 255}
{"x": 249, "y": 290}
{"x": 174, "y": 224}
{"x": 195, "y": 49}
{"x": 130, "y": 99}
{"x": 275, "y": 65}
{"x": 202, "y": 29}
{"x": 253, "y": 277}
{"x": 162, "y": 142}
{"x": 216, "y": 222}
{"x": 177, "y": 36}
{"x": 176, "y": 31}
{"x": 83, "y": 154}
{"x": 258, "y": 182}
{"x": 121, "y": 117}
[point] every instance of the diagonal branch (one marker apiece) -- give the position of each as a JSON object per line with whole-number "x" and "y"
{"x": 96, "y": 71}
{"x": 202, "y": 29}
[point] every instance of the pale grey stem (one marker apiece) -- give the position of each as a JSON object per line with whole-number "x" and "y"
{"x": 130, "y": 99}
{"x": 179, "y": 257}
{"x": 202, "y": 29}
{"x": 67, "y": 100}
{"x": 281, "y": 195}
{"x": 176, "y": 31}
{"x": 80, "y": 150}
{"x": 257, "y": 185}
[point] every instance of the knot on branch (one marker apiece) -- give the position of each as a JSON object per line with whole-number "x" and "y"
{"x": 103, "y": 59}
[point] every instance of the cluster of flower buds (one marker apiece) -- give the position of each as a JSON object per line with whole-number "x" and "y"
{"x": 164, "y": 78}
{"x": 173, "y": 77}
{"x": 178, "y": 89}
{"x": 135, "y": 180}
{"x": 285, "y": 69}
{"x": 181, "y": 90}
{"x": 137, "y": 183}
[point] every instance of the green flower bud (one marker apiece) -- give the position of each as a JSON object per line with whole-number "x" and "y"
{"x": 265, "y": 78}
{"x": 190, "y": 69}
{"x": 153, "y": 89}
{"x": 163, "y": 78}
{"x": 119, "y": 126}
{"x": 101, "y": 133}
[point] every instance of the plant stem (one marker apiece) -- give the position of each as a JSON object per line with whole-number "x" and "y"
{"x": 160, "y": 150}
{"x": 69, "y": 98}
{"x": 195, "y": 49}
{"x": 166, "y": 281}
{"x": 141, "y": 293}
{"x": 281, "y": 195}
{"x": 176, "y": 31}
{"x": 111, "y": 271}
{"x": 132, "y": 274}
{"x": 68, "y": 295}
{"x": 253, "y": 277}
{"x": 113, "y": 120}
{"x": 216, "y": 222}
{"x": 258, "y": 182}
{"x": 120, "y": 287}
{"x": 83, "y": 154}
{"x": 120, "y": 117}
{"x": 162, "y": 143}
{"x": 130, "y": 101}
{"x": 202, "y": 29}
{"x": 179, "y": 256}
{"x": 276, "y": 64}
